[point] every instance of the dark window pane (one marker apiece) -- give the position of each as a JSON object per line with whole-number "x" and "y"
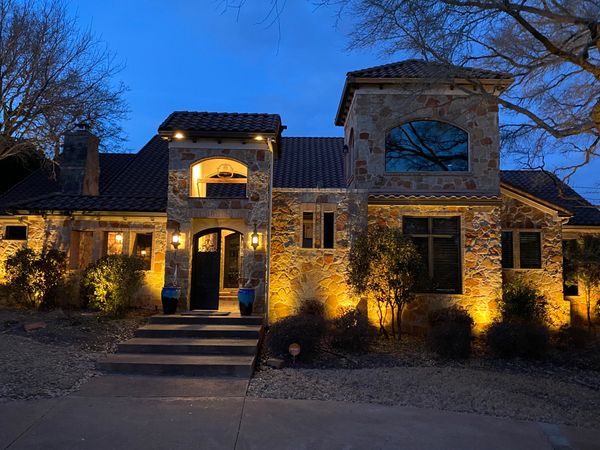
{"x": 308, "y": 226}
{"x": 225, "y": 190}
{"x": 415, "y": 225}
{"x": 422, "y": 244}
{"x": 15, "y": 233}
{"x": 530, "y": 250}
{"x": 507, "y": 250}
{"x": 328, "y": 230}
{"x": 446, "y": 264}
{"x": 142, "y": 248}
{"x": 568, "y": 269}
{"x": 426, "y": 145}
{"x": 450, "y": 225}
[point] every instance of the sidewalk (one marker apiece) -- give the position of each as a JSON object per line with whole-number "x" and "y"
{"x": 117, "y": 412}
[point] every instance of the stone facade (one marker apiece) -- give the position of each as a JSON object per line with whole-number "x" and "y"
{"x": 298, "y": 274}
{"x": 191, "y": 215}
{"x": 518, "y": 215}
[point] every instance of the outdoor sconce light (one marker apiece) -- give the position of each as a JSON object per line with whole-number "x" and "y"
{"x": 178, "y": 135}
{"x": 143, "y": 253}
{"x": 254, "y": 239}
{"x": 259, "y": 138}
{"x": 176, "y": 239}
{"x": 119, "y": 237}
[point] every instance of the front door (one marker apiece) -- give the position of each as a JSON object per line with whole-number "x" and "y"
{"x": 206, "y": 262}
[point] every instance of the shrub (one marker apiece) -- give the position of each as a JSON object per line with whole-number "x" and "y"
{"x": 36, "y": 277}
{"x": 512, "y": 339}
{"x": 351, "y": 331}
{"x": 522, "y": 302}
{"x": 304, "y": 329}
{"x": 450, "y": 332}
{"x": 311, "y": 307}
{"x": 110, "y": 283}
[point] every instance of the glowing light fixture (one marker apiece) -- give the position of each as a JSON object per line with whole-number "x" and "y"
{"x": 254, "y": 238}
{"x": 143, "y": 252}
{"x": 225, "y": 171}
{"x": 119, "y": 237}
{"x": 176, "y": 240}
{"x": 178, "y": 135}
{"x": 259, "y": 138}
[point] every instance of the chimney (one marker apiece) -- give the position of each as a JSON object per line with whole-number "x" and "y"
{"x": 79, "y": 162}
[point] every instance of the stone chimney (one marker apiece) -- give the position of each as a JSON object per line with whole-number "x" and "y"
{"x": 79, "y": 162}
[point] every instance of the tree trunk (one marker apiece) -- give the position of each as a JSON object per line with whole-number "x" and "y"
{"x": 399, "y": 320}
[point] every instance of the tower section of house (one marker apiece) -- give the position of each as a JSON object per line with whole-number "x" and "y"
{"x": 423, "y": 140}
{"x": 219, "y": 202}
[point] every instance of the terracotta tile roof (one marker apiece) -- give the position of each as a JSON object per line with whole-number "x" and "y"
{"x": 310, "y": 162}
{"x": 417, "y": 68}
{"x": 209, "y": 122}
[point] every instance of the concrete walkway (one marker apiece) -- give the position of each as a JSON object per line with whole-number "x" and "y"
{"x": 120, "y": 412}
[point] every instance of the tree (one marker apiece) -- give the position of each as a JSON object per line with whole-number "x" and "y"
{"x": 584, "y": 261}
{"x": 53, "y": 76}
{"x": 385, "y": 264}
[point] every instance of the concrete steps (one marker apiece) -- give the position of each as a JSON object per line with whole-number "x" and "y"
{"x": 189, "y": 344}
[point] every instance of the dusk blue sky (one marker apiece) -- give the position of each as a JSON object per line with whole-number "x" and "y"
{"x": 189, "y": 55}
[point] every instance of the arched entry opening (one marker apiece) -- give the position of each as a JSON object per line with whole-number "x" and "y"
{"x": 216, "y": 266}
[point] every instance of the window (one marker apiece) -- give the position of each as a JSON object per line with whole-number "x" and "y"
{"x": 15, "y": 233}
{"x": 308, "y": 229}
{"x": 113, "y": 241}
{"x": 218, "y": 178}
{"x": 426, "y": 146}
{"x": 568, "y": 268}
{"x": 438, "y": 242}
{"x": 142, "y": 248}
{"x": 521, "y": 250}
{"x": 328, "y": 230}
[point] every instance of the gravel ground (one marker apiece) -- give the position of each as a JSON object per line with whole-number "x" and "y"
{"x": 54, "y": 360}
{"x": 408, "y": 375}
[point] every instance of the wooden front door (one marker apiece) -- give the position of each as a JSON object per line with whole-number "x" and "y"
{"x": 231, "y": 263}
{"x": 206, "y": 265}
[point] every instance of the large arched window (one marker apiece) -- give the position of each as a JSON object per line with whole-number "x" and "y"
{"x": 218, "y": 178}
{"x": 426, "y": 146}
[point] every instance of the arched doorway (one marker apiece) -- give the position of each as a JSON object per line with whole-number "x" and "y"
{"x": 216, "y": 263}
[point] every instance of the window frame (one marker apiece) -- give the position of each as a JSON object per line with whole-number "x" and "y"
{"x": 6, "y": 227}
{"x": 134, "y": 241}
{"x": 318, "y": 211}
{"x": 193, "y": 191}
{"x": 432, "y": 172}
{"x": 431, "y": 236}
{"x": 516, "y": 247}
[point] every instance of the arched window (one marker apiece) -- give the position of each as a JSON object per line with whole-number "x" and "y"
{"x": 426, "y": 146}
{"x": 218, "y": 178}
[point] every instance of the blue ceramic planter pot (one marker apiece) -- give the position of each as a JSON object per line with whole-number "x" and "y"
{"x": 246, "y": 300}
{"x": 170, "y": 296}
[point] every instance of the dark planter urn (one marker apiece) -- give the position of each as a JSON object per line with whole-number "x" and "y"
{"x": 246, "y": 300}
{"x": 170, "y": 297}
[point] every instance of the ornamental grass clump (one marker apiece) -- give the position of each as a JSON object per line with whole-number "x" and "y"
{"x": 110, "y": 283}
{"x": 351, "y": 331}
{"x": 303, "y": 329}
{"x": 36, "y": 277}
{"x": 450, "y": 332}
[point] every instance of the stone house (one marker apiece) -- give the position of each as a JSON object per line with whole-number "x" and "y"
{"x": 219, "y": 200}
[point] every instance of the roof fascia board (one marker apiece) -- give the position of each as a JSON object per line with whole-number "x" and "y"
{"x": 532, "y": 200}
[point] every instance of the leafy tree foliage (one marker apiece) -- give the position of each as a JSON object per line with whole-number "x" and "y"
{"x": 584, "y": 256}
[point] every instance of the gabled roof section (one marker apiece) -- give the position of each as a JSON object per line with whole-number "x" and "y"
{"x": 415, "y": 70}
{"x": 550, "y": 189}
{"x": 215, "y": 124}
{"x": 310, "y": 162}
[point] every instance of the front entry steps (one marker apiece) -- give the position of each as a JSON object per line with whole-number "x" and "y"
{"x": 191, "y": 345}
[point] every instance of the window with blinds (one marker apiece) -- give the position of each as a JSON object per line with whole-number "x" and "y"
{"x": 438, "y": 243}
{"x": 508, "y": 260}
{"x": 521, "y": 249}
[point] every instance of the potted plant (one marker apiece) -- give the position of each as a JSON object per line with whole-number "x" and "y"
{"x": 246, "y": 296}
{"x": 170, "y": 295}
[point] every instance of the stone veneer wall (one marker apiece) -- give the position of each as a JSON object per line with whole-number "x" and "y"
{"x": 191, "y": 215}
{"x": 374, "y": 111}
{"x": 55, "y": 232}
{"x": 549, "y": 279}
{"x": 298, "y": 274}
{"x": 481, "y": 261}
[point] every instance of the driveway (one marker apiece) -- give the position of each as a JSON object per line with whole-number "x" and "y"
{"x": 120, "y": 412}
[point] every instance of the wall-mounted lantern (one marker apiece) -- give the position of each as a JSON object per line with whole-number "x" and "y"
{"x": 254, "y": 238}
{"x": 176, "y": 239}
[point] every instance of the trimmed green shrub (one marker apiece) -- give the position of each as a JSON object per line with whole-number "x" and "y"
{"x": 450, "y": 332}
{"x": 517, "y": 339}
{"x": 351, "y": 331}
{"x": 304, "y": 329}
{"x": 36, "y": 276}
{"x": 522, "y": 302}
{"x": 311, "y": 307}
{"x": 110, "y": 283}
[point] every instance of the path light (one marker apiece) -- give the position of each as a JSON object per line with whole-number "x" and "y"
{"x": 254, "y": 238}
{"x": 176, "y": 239}
{"x": 119, "y": 237}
